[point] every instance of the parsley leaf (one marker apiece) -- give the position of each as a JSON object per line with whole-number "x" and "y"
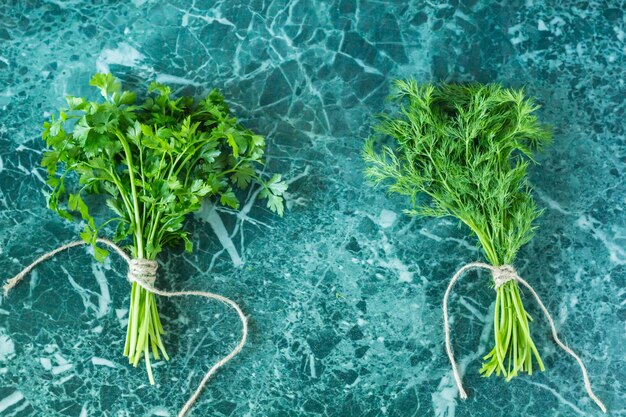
{"x": 154, "y": 162}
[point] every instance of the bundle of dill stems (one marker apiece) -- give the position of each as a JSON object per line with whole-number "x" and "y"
{"x": 463, "y": 151}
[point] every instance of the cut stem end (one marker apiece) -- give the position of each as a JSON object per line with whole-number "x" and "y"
{"x": 144, "y": 330}
{"x": 514, "y": 348}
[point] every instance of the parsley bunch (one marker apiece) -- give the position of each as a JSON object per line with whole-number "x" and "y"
{"x": 463, "y": 151}
{"x": 153, "y": 161}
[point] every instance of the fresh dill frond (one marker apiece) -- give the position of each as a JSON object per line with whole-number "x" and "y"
{"x": 466, "y": 148}
{"x": 463, "y": 150}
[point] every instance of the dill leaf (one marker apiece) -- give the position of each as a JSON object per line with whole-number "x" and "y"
{"x": 463, "y": 151}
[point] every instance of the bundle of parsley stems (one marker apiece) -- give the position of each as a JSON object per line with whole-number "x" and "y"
{"x": 153, "y": 162}
{"x": 463, "y": 151}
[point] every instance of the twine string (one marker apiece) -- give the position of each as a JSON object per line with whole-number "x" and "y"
{"x": 143, "y": 272}
{"x": 502, "y": 275}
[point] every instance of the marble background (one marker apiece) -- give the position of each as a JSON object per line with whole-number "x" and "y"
{"x": 344, "y": 293}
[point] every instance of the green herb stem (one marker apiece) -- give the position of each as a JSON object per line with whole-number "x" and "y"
{"x": 133, "y": 190}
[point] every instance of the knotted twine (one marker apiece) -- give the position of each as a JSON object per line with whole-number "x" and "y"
{"x": 502, "y": 275}
{"x": 143, "y": 272}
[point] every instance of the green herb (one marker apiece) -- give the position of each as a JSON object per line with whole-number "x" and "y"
{"x": 154, "y": 162}
{"x": 463, "y": 151}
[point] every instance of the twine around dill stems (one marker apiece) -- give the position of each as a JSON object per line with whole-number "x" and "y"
{"x": 143, "y": 272}
{"x": 502, "y": 275}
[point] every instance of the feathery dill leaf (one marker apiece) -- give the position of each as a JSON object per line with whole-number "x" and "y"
{"x": 467, "y": 148}
{"x": 463, "y": 151}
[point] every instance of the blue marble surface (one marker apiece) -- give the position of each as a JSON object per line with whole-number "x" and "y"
{"x": 344, "y": 293}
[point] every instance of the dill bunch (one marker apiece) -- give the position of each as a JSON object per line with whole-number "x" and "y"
{"x": 463, "y": 151}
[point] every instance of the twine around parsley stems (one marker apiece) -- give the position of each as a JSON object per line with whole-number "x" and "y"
{"x": 143, "y": 272}
{"x": 502, "y": 275}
